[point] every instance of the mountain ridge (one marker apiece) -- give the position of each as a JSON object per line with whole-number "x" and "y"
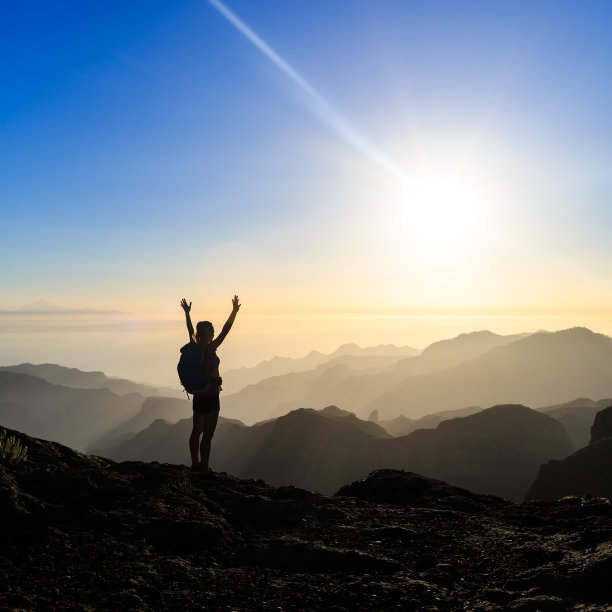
{"x": 276, "y": 366}
{"x": 275, "y": 396}
{"x": 496, "y": 451}
{"x": 81, "y": 379}
{"x": 541, "y": 369}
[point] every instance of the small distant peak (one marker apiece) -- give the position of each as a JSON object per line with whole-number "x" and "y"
{"x": 572, "y": 332}
{"x": 348, "y": 348}
{"x": 498, "y": 413}
{"x": 42, "y": 306}
{"x": 334, "y": 411}
{"x": 580, "y": 331}
{"x": 478, "y": 333}
{"x": 506, "y": 409}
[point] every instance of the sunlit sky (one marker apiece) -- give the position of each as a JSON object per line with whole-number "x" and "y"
{"x": 349, "y": 168}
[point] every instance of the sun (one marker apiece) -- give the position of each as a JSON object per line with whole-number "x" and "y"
{"x": 441, "y": 214}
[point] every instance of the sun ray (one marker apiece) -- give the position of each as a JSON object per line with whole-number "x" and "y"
{"x": 323, "y": 108}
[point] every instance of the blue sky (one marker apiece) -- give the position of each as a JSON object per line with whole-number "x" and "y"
{"x": 149, "y": 150}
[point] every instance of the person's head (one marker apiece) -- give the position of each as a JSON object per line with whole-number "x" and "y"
{"x": 205, "y": 332}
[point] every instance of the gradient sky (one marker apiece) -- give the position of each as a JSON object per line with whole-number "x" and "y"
{"x": 350, "y": 159}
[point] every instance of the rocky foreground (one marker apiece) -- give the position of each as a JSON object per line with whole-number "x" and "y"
{"x": 80, "y": 532}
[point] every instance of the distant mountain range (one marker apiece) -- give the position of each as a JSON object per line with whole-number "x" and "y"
{"x": 496, "y": 451}
{"x": 76, "y": 416}
{"x": 540, "y": 370}
{"x": 353, "y": 356}
{"x": 352, "y": 383}
{"x": 477, "y": 369}
{"x": 72, "y": 377}
{"x": 44, "y": 307}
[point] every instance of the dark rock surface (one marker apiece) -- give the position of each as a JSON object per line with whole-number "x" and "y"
{"x": 83, "y": 533}
{"x": 586, "y": 472}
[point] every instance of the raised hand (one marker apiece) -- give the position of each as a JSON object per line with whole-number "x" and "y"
{"x": 235, "y": 304}
{"x": 186, "y": 307}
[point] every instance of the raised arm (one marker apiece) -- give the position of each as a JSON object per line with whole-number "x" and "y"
{"x": 228, "y": 324}
{"x": 187, "y": 307}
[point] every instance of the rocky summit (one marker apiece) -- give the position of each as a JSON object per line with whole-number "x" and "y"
{"x": 79, "y": 532}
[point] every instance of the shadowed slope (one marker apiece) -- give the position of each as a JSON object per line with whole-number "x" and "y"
{"x": 153, "y": 408}
{"x": 577, "y": 417}
{"x": 314, "y": 450}
{"x": 72, "y": 416}
{"x": 587, "y": 471}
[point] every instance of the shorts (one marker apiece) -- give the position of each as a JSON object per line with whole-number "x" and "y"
{"x": 205, "y": 403}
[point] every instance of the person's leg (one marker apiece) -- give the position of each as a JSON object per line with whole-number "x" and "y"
{"x": 210, "y": 424}
{"x": 194, "y": 438}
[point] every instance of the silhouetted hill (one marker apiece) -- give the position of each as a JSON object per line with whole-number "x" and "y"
{"x": 316, "y": 450}
{"x": 576, "y": 416}
{"x": 585, "y": 472}
{"x": 319, "y": 450}
{"x": 496, "y": 451}
{"x": 357, "y": 357}
{"x": 76, "y": 417}
{"x": 79, "y": 532}
{"x": 72, "y": 377}
{"x": 341, "y": 383}
{"x": 161, "y": 441}
{"x": 540, "y": 370}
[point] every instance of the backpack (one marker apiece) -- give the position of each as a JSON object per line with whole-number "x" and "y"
{"x": 191, "y": 372}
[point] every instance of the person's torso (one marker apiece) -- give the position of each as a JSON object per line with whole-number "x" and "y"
{"x": 210, "y": 362}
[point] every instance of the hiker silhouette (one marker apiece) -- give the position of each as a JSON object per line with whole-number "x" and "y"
{"x": 206, "y": 401}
